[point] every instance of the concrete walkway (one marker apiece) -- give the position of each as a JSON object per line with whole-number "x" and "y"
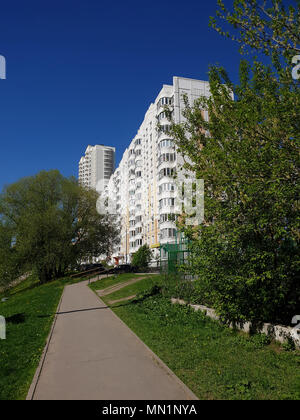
{"x": 91, "y": 354}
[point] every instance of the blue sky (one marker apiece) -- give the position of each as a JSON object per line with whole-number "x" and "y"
{"x": 85, "y": 72}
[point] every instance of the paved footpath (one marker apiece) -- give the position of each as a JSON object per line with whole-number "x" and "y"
{"x": 92, "y": 355}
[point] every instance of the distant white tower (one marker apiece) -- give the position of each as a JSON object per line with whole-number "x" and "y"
{"x": 96, "y": 166}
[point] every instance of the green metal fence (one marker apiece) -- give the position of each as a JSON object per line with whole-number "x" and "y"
{"x": 175, "y": 254}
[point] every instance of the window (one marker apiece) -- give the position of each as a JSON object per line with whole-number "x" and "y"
{"x": 165, "y": 101}
{"x": 164, "y": 128}
{"x": 167, "y": 217}
{"x": 166, "y": 143}
{"x": 162, "y": 115}
{"x": 131, "y": 162}
{"x": 166, "y": 157}
{"x": 166, "y": 172}
{"x": 167, "y": 233}
{"x": 166, "y": 187}
{"x": 166, "y": 202}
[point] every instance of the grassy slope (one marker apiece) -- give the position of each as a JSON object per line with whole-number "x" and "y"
{"x": 133, "y": 289}
{"x": 29, "y": 313}
{"x": 214, "y": 361}
{"x": 112, "y": 280}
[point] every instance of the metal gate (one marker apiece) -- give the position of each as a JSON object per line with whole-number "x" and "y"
{"x": 174, "y": 255}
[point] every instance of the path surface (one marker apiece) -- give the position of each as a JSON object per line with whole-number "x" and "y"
{"x": 92, "y": 354}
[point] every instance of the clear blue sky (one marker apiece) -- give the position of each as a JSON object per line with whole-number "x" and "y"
{"x": 84, "y": 72}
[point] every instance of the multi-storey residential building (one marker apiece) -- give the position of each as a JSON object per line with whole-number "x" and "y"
{"x": 143, "y": 184}
{"x": 96, "y": 167}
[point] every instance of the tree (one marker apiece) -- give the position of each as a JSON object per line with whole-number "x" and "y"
{"x": 246, "y": 253}
{"x": 54, "y": 222}
{"x": 9, "y": 268}
{"x": 263, "y": 25}
{"x": 142, "y": 257}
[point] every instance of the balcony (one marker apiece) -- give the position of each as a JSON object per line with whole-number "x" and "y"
{"x": 169, "y": 158}
{"x": 165, "y": 101}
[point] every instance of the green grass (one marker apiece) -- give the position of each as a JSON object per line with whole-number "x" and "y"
{"x": 29, "y": 313}
{"x": 112, "y": 280}
{"x": 214, "y": 361}
{"x": 134, "y": 289}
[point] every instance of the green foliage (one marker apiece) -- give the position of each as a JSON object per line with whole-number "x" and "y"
{"x": 142, "y": 257}
{"x": 144, "y": 287}
{"x": 9, "y": 268}
{"x": 289, "y": 345}
{"x": 260, "y": 340}
{"x": 246, "y": 253}
{"x": 263, "y": 25}
{"x": 54, "y": 223}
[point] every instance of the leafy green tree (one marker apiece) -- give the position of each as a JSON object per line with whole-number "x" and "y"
{"x": 246, "y": 148}
{"x": 9, "y": 268}
{"x": 55, "y": 223}
{"x": 268, "y": 26}
{"x": 246, "y": 253}
{"x": 142, "y": 257}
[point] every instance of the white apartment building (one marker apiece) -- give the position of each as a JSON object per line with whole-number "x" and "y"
{"x": 143, "y": 184}
{"x": 96, "y": 167}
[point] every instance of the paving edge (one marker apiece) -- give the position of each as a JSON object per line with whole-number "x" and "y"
{"x": 186, "y": 389}
{"x": 38, "y": 371}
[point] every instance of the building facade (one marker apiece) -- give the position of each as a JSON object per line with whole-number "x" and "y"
{"x": 96, "y": 167}
{"x": 143, "y": 186}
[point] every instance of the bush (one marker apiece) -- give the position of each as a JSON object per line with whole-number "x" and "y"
{"x": 142, "y": 257}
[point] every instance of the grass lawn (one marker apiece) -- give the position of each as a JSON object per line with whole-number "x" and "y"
{"x": 112, "y": 280}
{"x": 29, "y": 313}
{"x": 212, "y": 360}
{"x": 134, "y": 289}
